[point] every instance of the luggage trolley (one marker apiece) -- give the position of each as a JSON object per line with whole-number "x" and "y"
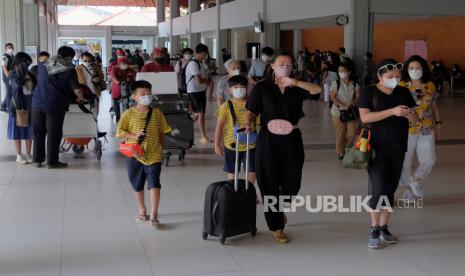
{"x": 175, "y": 108}
{"x": 79, "y": 129}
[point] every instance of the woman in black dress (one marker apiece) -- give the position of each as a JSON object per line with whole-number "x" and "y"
{"x": 279, "y": 157}
{"x": 389, "y": 108}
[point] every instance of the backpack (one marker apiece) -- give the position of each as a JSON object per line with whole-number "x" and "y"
{"x": 184, "y": 81}
{"x": 338, "y": 82}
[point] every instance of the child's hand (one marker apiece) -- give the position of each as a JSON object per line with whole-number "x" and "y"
{"x": 219, "y": 150}
{"x": 139, "y": 134}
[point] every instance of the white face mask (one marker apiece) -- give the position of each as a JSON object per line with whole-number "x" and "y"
{"x": 123, "y": 66}
{"x": 415, "y": 74}
{"x": 235, "y": 72}
{"x": 187, "y": 56}
{"x": 239, "y": 92}
{"x": 146, "y": 100}
{"x": 343, "y": 75}
{"x": 87, "y": 64}
{"x": 265, "y": 58}
{"x": 10, "y": 51}
{"x": 391, "y": 83}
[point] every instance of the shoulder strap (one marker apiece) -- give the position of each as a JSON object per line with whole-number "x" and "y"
{"x": 233, "y": 113}
{"x": 198, "y": 64}
{"x": 147, "y": 120}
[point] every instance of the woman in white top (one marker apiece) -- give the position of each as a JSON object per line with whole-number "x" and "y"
{"x": 344, "y": 93}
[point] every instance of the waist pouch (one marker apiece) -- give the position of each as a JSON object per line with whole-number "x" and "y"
{"x": 280, "y": 127}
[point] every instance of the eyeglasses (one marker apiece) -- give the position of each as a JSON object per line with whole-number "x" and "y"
{"x": 391, "y": 67}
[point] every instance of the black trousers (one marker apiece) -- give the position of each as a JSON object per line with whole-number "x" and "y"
{"x": 47, "y": 127}
{"x": 117, "y": 109}
{"x": 384, "y": 174}
{"x": 278, "y": 162}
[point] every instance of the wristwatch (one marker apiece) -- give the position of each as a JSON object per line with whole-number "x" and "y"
{"x": 438, "y": 123}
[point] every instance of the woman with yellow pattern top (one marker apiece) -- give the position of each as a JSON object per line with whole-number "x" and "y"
{"x": 146, "y": 168}
{"x": 416, "y": 76}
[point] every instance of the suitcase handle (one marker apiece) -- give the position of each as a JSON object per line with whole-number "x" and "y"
{"x": 236, "y": 166}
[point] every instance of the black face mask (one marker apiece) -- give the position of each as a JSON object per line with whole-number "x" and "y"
{"x": 160, "y": 60}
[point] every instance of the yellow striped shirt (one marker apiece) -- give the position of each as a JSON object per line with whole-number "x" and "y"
{"x": 133, "y": 121}
{"x": 224, "y": 114}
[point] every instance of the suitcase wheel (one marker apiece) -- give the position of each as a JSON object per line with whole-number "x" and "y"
{"x": 78, "y": 149}
{"x": 222, "y": 239}
{"x": 204, "y": 235}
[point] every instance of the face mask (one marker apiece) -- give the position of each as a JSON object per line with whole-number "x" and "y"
{"x": 87, "y": 64}
{"x": 235, "y": 72}
{"x": 265, "y": 58}
{"x": 282, "y": 72}
{"x": 146, "y": 100}
{"x": 159, "y": 60}
{"x": 343, "y": 75}
{"x": 10, "y": 51}
{"x": 123, "y": 66}
{"x": 119, "y": 57}
{"x": 238, "y": 92}
{"x": 415, "y": 74}
{"x": 187, "y": 57}
{"x": 391, "y": 83}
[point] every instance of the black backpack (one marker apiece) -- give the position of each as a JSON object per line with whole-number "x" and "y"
{"x": 184, "y": 80}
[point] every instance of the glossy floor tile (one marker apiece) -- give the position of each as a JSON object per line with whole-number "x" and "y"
{"x": 80, "y": 221}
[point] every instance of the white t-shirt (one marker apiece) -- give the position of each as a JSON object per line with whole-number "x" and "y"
{"x": 193, "y": 70}
{"x": 345, "y": 94}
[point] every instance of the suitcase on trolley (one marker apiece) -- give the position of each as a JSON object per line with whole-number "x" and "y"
{"x": 230, "y": 207}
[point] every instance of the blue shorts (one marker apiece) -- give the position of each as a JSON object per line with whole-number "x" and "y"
{"x": 139, "y": 174}
{"x": 230, "y": 160}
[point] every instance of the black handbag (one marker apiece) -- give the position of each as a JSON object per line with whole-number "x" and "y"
{"x": 351, "y": 114}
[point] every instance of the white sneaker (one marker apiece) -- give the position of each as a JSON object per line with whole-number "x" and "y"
{"x": 29, "y": 158}
{"x": 416, "y": 188}
{"x": 408, "y": 196}
{"x": 20, "y": 159}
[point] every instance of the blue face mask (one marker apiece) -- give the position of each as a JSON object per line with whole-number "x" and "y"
{"x": 239, "y": 92}
{"x": 145, "y": 100}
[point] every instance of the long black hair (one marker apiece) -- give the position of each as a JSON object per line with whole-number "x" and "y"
{"x": 426, "y": 77}
{"x": 21, "y": 64}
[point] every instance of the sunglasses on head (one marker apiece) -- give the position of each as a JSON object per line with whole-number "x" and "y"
{"x": 391, "y": 67}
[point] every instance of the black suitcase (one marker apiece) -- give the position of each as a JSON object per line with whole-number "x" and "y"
{"x": 230, "y": 208}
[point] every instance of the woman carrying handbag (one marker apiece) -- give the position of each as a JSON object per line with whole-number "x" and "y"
{"x": 344, "y": 94}
{"x": 19, "y": 121}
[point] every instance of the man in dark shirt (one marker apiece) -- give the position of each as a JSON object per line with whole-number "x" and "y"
{"x": 7, "y": 66}
{"x": 56, "y": 86}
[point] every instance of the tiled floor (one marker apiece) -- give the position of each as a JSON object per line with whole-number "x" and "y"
{"x": 79, "y": 221}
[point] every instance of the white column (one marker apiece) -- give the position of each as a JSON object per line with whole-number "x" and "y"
{"x": 174, "y": 40}
{"x": 221, "y": 39}
{"x": 270, "y": 37}
{"x": 194, "y": 38}
{"x": 358, "y": 33}
{"x": 160, "y": 18}
{"x": 107, "y": 46}
{"x": 297, "y": 41}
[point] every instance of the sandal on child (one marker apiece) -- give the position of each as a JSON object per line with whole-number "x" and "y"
{"x": 142, "y": 217}
{"x": 155, "y": 222}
